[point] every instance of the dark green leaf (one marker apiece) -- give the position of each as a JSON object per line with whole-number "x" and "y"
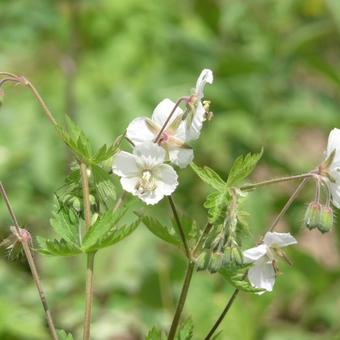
{"x": 113, "y": 236}
{"x": 57, "y": 247}
{"x": 103, "y": 225}
{"x": 159, "y": 230}
{"x": 242, "y": 168}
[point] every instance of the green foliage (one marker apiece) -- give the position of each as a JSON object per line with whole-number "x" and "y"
{"x": 104, "y": 186}
{"x": 154, "y": 334}
{"x": 210, "y": 177}
{"x": 237, "y": 277}
{"x": 217, "y": 203}
{"x": 161, "y": 231}
{"x": 101, "y": 228}
{"x": 57, "y": 247}
{"x": 62, "y": 335}
{"x": 114, "y": 235}
{"x": 185, "y": 330}
{"x": 242, "y": 168}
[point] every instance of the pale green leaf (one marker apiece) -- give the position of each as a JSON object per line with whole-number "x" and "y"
{"x": 209, "y": 176}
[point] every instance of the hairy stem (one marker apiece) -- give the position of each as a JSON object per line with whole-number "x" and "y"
{"x": 275, "y": 180}
{"x": 271, "y": 228}
{"x": 180, "y": 228}
{"x": 181, "y": 301}
{"x": 32, "y": 266}
{"x": 90, "y": 256}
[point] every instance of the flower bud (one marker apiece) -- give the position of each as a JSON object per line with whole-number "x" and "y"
{"x": 326, "y": 219}
{"x": 202, "y": 261}
{"x": 312, "y": 215}
{"x": 232, "y": 256}
{"x": 215, "y": 262}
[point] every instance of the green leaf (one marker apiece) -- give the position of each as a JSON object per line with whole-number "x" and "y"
{"x": 185, "y": 331}
{"x": 154, "y": 334}
{"x": 209, "y": 176}
{"x": 104, "y": 186}
{"x": 103, "y": 225}
{"x": 62, "y": 335}
{"x": 57, "y": 247}
{"x": 106, "y": 152}
{"x": 238, "y": 278}
{"x": 113, "y": 236}
{"x": 65, "y": 223}
{"x": 159, "y": 230}
{"x": 242, "y": 168}
{"x": 76, "y": 140}
{"x": 217, "y": 203}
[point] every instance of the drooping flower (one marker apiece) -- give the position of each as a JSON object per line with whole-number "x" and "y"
{"x": 197, "y": 109}
{"x": 264, "y": 257}
{"x": 172, "y": 139}
{"x": 144, "y": 173}
{"x": 334, "y": 167}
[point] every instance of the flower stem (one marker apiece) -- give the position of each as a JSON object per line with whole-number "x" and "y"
{"x": 169, "y": 117}
{"x": 275, "y": 180}
{"x": 180, "y": 228}
{"x": 90, "y": 256}
{"x": 32, "y": 266}
{"x": 181, "y": 301}
{"x": 271, "y": 229}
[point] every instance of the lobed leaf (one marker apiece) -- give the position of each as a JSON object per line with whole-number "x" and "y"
{"x": 57, "y": 247}
{"x": 242, "y": 168}
{"x": 209, "y": 176}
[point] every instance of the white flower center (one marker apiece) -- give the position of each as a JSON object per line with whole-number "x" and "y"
{"x": 146, "y": 183}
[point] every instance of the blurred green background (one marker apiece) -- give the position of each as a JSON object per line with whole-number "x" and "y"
{"x": 276, "y": 65}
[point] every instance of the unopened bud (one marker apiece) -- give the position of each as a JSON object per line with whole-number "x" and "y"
{"x": 215, "y": 262}
{"x": 232, "y": 256}
{"x": 326, "y": 219}
{"x": 202, "y": 261}
{"x": 312, "y": 215}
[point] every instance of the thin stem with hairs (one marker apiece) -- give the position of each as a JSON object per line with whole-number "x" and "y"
{"x": 25, "y": 244}
{"x": 90, "y": 256}
{"x": 271, "y": 228}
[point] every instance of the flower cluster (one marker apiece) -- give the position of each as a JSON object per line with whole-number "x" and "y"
{"x": 161, "y": 139}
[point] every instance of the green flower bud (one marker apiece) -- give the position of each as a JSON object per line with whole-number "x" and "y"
{"x": 215, "y": 262}
{"x": 236, "y": 256}
{"x": 326, "y": 219}
{"x": 227, "y": 256}
{"x": 202, "y": 261}
{"x": 312, "y": 215}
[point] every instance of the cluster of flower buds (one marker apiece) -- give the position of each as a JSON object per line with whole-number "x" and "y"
{"x": 319, "y": 216}
{"x": 159, "y": 140}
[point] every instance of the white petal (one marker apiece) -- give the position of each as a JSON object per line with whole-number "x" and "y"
{"x": 125, "y": 164}
{"x": 181, "y": 157}
{"x": 149, "y": 155}
{"x": 253, "y": 254}
{"x": 334, "y": 142}
{"x": 163, "y": 110}
{"x": 151, "y": 197}
{"x": 279, "y": 239}
{"x": 193, "y": 131}
{"x": 138, "y": 132}
{"x": 129, "y": 184}
{"x": 335, "y": 192}
{"x": 167, "y": 179}
{"x": 262, "y": 275}
{"x": 206, "y": 76}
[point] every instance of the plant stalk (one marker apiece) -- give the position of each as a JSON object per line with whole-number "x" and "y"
{"x": 270, "y": 229}
{"x": 32, "y": 266}
{"x": 181, "y": 301}
{"x": 90, "y": 256}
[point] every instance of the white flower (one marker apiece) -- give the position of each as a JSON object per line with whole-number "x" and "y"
{"x": 263, "y": 272}
{"x": 334, "y": 169}
{"x": 194, "y": 121}
{"x": 144, "y": 174}
{"x": 172, "y": 139}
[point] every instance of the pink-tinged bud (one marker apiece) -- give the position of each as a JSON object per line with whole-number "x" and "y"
{"x": 326, "y": 219}
{"x": 312, "y": 215}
